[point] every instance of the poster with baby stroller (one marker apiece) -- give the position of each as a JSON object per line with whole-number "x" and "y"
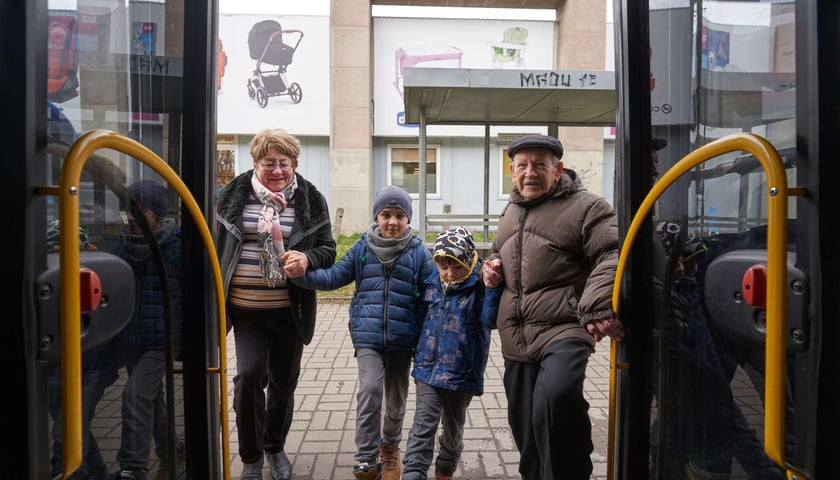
{"x": 277, "y": 72}
{"x": 273, "y": 56}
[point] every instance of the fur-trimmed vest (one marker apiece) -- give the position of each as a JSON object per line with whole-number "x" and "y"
{"x": 311, "y": 234}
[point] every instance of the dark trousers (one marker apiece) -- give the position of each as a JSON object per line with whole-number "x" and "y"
{"x": 548, "y": 415}
{"x": 268, "y": 353}
{"x": 436, "y": 406}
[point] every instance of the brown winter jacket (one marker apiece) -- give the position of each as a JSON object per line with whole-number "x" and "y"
{"x": 559, "y": 256}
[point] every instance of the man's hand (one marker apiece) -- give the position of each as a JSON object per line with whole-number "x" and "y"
{"x": 491, "y": 272}
{"x": 294, "y": 263}
{"x": 606, "y": 327}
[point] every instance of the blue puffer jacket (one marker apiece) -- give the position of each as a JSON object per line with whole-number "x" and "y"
{"x": 147, "y": 328}
{"x": 387, "y": 310}
{"x": 455, "y": 339}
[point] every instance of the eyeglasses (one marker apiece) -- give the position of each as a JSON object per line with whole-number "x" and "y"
{"x": 271, "y": 166}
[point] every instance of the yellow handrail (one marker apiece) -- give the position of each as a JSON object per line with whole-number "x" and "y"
{"x": 777, "y": 195}
{"x": 71, "y": 357}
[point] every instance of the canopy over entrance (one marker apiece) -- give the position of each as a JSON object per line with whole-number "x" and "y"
{"x": 504, "y": 97}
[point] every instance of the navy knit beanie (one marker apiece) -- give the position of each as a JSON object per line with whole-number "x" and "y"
{"x": 149, "y": 194}
{"x": 394, "y": 197}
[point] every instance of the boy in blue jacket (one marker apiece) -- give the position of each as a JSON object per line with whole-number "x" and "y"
{"x": 451, "y": 355}
{"x": 388, "y": 264}
{"x": 143, "y": 341}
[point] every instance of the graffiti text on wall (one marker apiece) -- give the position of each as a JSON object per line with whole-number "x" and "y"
{"x": 555, "y": 79}
{"x": 156, "y": 65}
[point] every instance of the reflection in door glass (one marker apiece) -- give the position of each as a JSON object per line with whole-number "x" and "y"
{"x": 720, "y": 67}
{"x": 117, "y": 65}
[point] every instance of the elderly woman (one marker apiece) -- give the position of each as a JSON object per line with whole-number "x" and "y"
{"x": 271, "y": 223}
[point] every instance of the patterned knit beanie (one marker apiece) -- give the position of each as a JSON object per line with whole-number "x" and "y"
{"x": 456, "y": 243}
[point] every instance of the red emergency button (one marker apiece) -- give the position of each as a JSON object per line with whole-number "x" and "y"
{"x": 754, "y": 286}
{"x": 90, "y": 288}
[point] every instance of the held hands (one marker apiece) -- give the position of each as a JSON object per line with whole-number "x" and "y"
{"x": 606, "y": 327}
{"x": 491, "y": 272}
{"x": 294, "y": 263}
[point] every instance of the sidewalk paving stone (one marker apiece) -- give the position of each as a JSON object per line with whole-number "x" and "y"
{"x": 321, "y": 446}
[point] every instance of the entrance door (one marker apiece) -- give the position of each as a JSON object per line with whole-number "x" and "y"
{"x": 75, "y": 66}
{"x": 692, "y": 399}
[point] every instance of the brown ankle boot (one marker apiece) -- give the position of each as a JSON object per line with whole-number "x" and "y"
{"x": 389, "y": 455}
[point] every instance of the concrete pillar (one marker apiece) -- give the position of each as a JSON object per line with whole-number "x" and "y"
{"x": 581, "y": 25}
{"x": 351, "y": 126}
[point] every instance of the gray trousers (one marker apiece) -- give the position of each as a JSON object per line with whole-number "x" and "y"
{"x": 436, "y": 406}
{"x": 143, "y": 411}
{"x": 380, "y": 373}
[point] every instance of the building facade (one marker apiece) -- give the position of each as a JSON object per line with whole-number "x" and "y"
{"x": 348, "y": 66}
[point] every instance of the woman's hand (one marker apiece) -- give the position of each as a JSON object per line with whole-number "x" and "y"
{"x": 294, "y": 263}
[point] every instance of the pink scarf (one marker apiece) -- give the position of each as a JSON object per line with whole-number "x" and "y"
{"x": 269, "y": 233}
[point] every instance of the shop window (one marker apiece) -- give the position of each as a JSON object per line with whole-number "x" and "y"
{"x": 225, "y": 160}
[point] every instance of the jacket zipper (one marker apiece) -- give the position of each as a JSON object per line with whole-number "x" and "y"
{"x": 519, "y": 316}
{"x": 437, "y": 335}
{"x": 387, "y": 276}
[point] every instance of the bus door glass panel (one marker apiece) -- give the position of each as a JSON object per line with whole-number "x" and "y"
{"x": 716, "y": 68}
{"x": 104, "y": 72}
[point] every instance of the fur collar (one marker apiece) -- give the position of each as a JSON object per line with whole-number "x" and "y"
{"x": 310, "y": 206}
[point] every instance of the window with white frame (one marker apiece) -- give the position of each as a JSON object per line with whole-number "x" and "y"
{"x": 404, "y": 168}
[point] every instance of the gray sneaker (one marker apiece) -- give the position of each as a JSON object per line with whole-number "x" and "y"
{"x": 364, "y": 471}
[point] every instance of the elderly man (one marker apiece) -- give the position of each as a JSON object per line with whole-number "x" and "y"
{"x": 555, "y": 253}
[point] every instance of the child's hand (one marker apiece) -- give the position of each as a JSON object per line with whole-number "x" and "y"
{"x": 491, "y": 272}
{"x": 294, "y": 263}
